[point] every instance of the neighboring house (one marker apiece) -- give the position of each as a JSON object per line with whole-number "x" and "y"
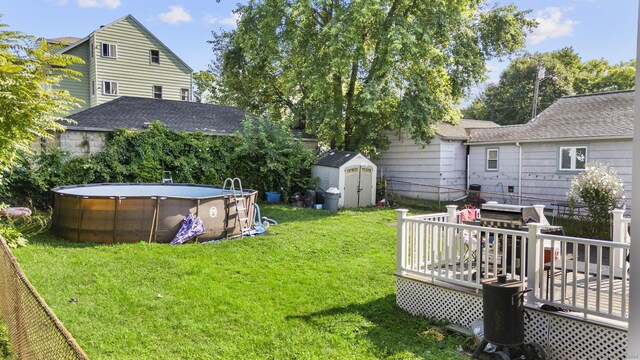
{"x": 540, "y": 158}
{"x": 87, "y": 135}
{"x": 124, "y": 59}
{"x": 437, "y": 170}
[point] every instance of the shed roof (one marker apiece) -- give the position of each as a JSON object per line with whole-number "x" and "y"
{"x": 135, "y": 113}
{"x": 336, "y": 158}
{"x": 602, "y": 115}
{"x": 460, "y": 131}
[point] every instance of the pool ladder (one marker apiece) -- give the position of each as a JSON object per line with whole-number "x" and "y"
{"x": 240, "y": 204}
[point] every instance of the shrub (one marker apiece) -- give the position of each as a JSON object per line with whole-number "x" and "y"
{"x": 269, "y": 158}
{"x": 600, "y": 190}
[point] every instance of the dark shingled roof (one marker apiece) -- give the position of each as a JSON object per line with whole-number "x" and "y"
{"x": 133, "y": 112}
{"x": 603, "y": 115}
{"x": 336, "y": 158}
{"x": 460, "y": 130}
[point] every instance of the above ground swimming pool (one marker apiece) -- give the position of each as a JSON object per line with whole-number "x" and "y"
{"x": 121, "y": 213}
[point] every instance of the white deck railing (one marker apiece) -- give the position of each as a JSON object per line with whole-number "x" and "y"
{"x": 583, "y": 275}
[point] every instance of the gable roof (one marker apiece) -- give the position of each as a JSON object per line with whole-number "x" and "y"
{"x": 135, "y": 113}
{"x": 129, "y": 16}
{"x": 336, "y": 158}
{"x": 460, "y": 131}
{"x": 600, "y": 116}
{"x": 66, "y": 40}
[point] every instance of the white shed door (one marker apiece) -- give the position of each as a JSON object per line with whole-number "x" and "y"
{"x": 358, "y": 185}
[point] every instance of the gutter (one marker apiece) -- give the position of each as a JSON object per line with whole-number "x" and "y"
{"x": 551, "y": 140}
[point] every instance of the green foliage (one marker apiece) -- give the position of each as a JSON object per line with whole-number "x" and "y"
{"x": 6, "y": 351}
{"x": 30, "y": 105}
{"x": 347, "y": 71}
{"x": 16, "y": 231}
{"x": 206, "y": 89}
{"x": 270, "y": 159}
{"x": 265, "y": 156}
{"x": 510, "y": 100}
{"x": 600, "y": 190}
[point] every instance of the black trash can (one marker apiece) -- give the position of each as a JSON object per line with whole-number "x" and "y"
{"x": 503, "y": 307}
{"x": 309, "y": 198}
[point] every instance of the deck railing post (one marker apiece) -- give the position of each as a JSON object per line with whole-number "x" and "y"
{"x": 533, "y": 262}
{"x": 618, "y": 236}
{"x": 451, "y": 213}
{"x": 401, "y": 246}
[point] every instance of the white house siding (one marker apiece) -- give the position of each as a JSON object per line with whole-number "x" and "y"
{"x": 409, "y": 167}
{"x": 132, "y": 69}
{"x": 82, "y": 142}
{"x": 453, "y": 169}
{"x": 540, "y": 175}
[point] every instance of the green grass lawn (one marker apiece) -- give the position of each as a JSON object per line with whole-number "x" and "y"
{"x": 320, "y": 285}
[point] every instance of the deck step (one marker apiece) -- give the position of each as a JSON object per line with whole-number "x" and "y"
{"x": 459, "y": 329}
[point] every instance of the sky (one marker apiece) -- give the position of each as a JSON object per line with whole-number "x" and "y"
{"x": 596, "y": 29}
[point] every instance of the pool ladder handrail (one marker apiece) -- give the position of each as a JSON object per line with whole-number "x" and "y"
{"x": 240, "y": 203}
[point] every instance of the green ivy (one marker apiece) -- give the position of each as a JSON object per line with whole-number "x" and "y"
{"x": 265, "y": 155}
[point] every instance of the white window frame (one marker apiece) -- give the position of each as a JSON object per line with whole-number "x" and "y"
{"x": 111, "y": 87}
{"x": 572, "y": 154}
{"x": 93, "y": 88}
{"x": 112, "y": 50}
{"x": 151, "y": 57}
{"x": 497, "y": 159}
{"x": 153, "y": 91}
{"x": 182, "y": 93}
{"x": 92, "y": 46}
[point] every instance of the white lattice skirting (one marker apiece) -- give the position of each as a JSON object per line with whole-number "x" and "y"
{"x": 561, "y": 337}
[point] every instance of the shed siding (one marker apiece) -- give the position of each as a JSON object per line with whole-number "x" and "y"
{"x": 132, "y": 69}
{"x": 329, "y": 177}
{"x": 79, "y": 88}
{"x": 541, "y": 177}
{"x": 412, "y": 170}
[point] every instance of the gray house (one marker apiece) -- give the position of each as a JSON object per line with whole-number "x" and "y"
{"x": 434, "y": 171}
{"x": 124, "y": 59}
{"x": 540, "y": 158}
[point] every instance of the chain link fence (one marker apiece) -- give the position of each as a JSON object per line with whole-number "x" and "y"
{"x": 34, "y": 331}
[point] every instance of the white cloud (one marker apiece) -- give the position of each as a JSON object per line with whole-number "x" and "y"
{"x": 551, "y": 25}
{"x": 175, "y": 15}
{"x": 212, "y": 20}
{"x": 231, "y": 21}
{"x": 111, "y": 4}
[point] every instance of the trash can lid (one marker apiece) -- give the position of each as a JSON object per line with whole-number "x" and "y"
{"x": 332, "y": 190}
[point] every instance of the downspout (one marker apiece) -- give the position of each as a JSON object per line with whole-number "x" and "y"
{"x": 519, "y": 173}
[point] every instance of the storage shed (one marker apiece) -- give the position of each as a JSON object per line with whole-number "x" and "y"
{"x": 352, "y": 173}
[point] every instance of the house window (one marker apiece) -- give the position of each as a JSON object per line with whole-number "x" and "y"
{"x": 93, "y": 88}
{"x": 492, "y": 159}
{"x": 154, "y": 56}
{"x": 157, "y": 92}
{"x": 109, "y": 88}
{"x": 93, "y": 49}
{"x": 184, "y": 94}
{"x": 109, "y": 50}
{"x": 573, "y": 158}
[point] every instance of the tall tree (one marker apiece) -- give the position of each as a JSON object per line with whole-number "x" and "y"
{"x": 29, "y": 106}
{"x": 510, "y": 100}
{"x": 346, "y": 70}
